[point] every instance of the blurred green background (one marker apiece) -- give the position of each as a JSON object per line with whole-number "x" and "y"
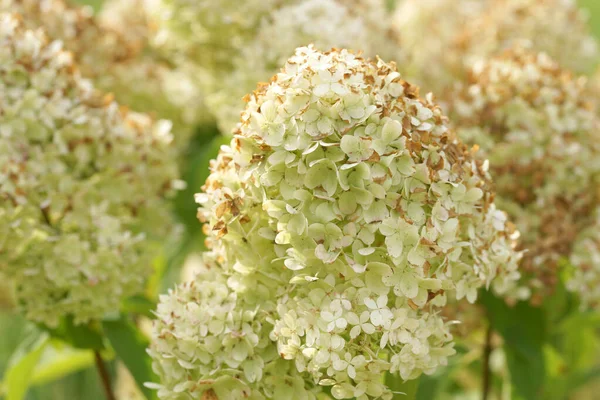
{"x": 593, "y": 7}
{"x": 79, "y": 378}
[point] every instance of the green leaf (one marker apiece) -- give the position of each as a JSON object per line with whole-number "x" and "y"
{"x": 583, "y": 378}
{"x": 593, "y": 7}
{"x": 173, "y": 264}
{"x": 139, "y": 305}
{"x": 404, "y": 390}
{"x": 95, "y": 4}
{"x": 433, "y": 386}
{"x": 563, "y": 303}
{"x": 523, "y": 328}
{"x": 574, "y": 359}
{"x": 130, "y": 347}
{"x": 203, "y": 148}
{"x": 58, "y": 363}
{"x": 23, "y": 361}
{"x": 78, "y": 336}
{"x": 430, "y": 387}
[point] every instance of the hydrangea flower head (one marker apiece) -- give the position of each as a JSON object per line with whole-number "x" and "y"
{"x": 147, "y": 80}
{"x": 208, "y": 342}
{"x": 536, "y": 124}
{"x": 82, "y": 184}
{"x": 346, "y": 213}
{"x": 466, "y": 30}
{"x": 94, "y": 48}
{"x": 113, "y": 50}
{"x": 427, "y": 31}
{"x": 209, "y": 32}
{"x": 229, "y": 47}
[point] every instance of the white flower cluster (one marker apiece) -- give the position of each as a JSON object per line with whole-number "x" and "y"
{"x": 428, "y": 32}
{"x": 344, "y": 214}
{"x": 145, "y": 81}
{"x": 113, "y": 50}
{"x": 82, "y": 184}
{"x": 95, "y": 49}
{"x": 585, "y": 259}
{"x": 226, "y": 47}
{"x": 209, "y": 32}
{"x": 536, "y": 124}
{"x": 441, "y": 38}
{"x": 208, "y": 340}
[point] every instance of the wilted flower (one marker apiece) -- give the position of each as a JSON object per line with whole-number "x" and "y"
{"x": 536, "y": 124}
{"x": 82, "y": 184}
{"x": 228, "y": 46}
{"x": 346, "y": 213}
{"x": 441, "y": 38}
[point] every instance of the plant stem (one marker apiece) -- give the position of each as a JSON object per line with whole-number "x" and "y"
{"x": 104, "y": 376}
{"x": 487, "y": 351}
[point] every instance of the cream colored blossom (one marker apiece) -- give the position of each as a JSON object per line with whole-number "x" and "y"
{"x": 113, "y": 50}
{"x": 95, "y": 49}
{"x": 208, "y": 32}
{"x": 428, "y": 32}
{"x": 346, "y": 213}
{"x": 227, "y": 47}
{"x": 82, "y": 184}
{"x": 208, "y": 340}
{"x": 536, "y": 124}
{"x": 441, "y": 38}
{"x": 148, "y": 82}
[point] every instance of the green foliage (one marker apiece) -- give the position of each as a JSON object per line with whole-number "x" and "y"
{"x": 24, "y": 360}
{"x": 434, "y": 386}
{"x": 95, "y": 4}
{"x": 78, "y": 336}
{"x": 593, "y": 7}
{"x": 523, "y": 328}
{"x": 48, "y": 369}
{"x": 572, "y": 355}
{"x": 130, "y": 346}
{"x": 59, "y": 361}
{"x": 404, "y": 390}
{"x": 81, "y": 385}
{"x": 203, "y": 147}
{"x": 12, "y": 329}
{"x": 139, "y": 305}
